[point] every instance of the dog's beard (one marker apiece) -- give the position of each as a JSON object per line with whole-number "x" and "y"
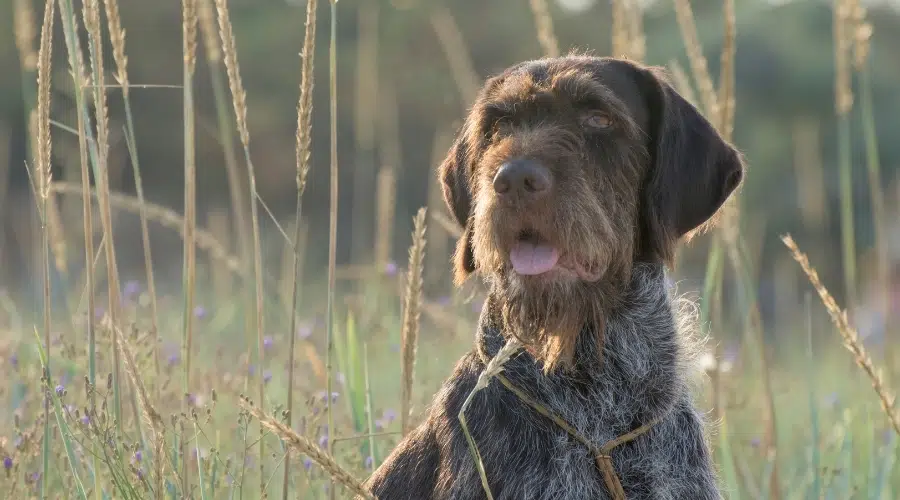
{"x": 549, "y": 318}
{"x": 549, "y": 313}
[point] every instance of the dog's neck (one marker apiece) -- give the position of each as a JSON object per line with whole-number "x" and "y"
{"x": 643, "y": 355}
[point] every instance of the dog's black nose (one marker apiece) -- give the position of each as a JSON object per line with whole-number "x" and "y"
{"x": 525, "y": 178}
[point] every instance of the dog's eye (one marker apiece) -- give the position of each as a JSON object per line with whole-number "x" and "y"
{"x": 597, "y": 120}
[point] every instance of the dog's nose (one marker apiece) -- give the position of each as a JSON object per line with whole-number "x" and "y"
{"x": 526, "y": 178}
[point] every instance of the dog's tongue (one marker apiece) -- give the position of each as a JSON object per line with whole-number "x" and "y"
{"x": 531, "y": 259}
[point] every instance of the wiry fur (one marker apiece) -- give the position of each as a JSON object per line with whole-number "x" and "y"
{"x": 605, "y": 349}
{"x": 644, "y": 376}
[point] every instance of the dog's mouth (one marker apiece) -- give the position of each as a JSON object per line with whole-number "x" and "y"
{"x": 534, "y": 255}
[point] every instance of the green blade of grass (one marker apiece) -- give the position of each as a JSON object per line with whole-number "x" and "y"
{"x": 64, "y": 430}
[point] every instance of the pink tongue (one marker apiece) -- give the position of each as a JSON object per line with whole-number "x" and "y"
{"x": 531, "y": 259}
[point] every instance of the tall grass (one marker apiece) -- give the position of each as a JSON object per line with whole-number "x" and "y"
{"x": 180, "y": 440}
{"x": 304, "y": 138}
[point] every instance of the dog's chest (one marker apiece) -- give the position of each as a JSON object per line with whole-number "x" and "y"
{"x": 529, "y": 456}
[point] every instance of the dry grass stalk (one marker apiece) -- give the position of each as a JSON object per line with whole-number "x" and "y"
{"x": 849, "y": 334}
{"x": 638, "y": 42}
{"x": 544, "y": 24}
{"x": 493, "y": 368}
{"x": 117, "y": 37}
{"x": 810, "y": 177}
{"x": 25, "y": 33}
{"x": 843, "y": 94}
{"x": 726, "y": 79}
{"x": 239, "y": 101}
{"x": 685, "y": 17}
{"x": 412, "y": 305}
{"x": 303, "y": 148}
{"x": 385, "y": 196}
{"x": 148, "y": 411}
{"x": 57, "y": 235}
{"x": 42, "y": 167}
{"x": 220, "y": 230}
{"x": 620, "y": 33}
{"x": 165, "y": 217}
{"x": 438, "y": 240}
{"x": 302, "y": 445}
{"x": 206, "y": 18}
{"x": 189, "y": 51}
{"x": 92, "y": 23}
{"x": 332, "y": 219}
{"x": 457, "y": 54}
{"x": 239, "y": 96}
{"x": 365, "y": 119}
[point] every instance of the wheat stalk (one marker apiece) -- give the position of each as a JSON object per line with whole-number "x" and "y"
{"x": 300, "y": 444}
{"x": 92, "y": 23}
{"x": 42, "y": 167}
{"x": 685, "y": 17}
{"x": 411, "y": 310}
{"x": 304, "y": 139}
{"x": 493, "y": 368}
{"x": 849, "y": 334}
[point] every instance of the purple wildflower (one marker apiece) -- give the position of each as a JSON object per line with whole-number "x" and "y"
{"x": 173, "y": 359}
{"x": 200, "y": 312}
{"x": 138, "y": 456}
{"x": 369, "y": 462}
{"x": 389, "y": 415}
{"x": 140, "y": 474}
{"x": 267, "y": 342}
{"x": 390, "y": 268}
{"x": 267, "y": 376}
{"x": 85, "y": 419}
{"x": 131, "y": 289}
{"x": 323, "y": 441}
{"x": 304, "y": 331}
{"x": 251, "y": 370}
{"x": 60, "y": 390}
{"x": 307, "y": 463}
{"x": 7, "y": 463}
{"x": 14, "y": 360}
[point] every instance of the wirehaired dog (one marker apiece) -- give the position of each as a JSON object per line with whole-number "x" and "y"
{"x": 574, "y": 178}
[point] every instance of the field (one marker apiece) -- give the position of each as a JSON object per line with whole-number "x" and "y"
{"x": 256, "y": 376}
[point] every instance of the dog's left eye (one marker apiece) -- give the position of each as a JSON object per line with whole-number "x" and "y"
{"x": 597, "y": 120}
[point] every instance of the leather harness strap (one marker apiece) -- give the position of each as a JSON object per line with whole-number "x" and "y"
{"x": 602, "y": 453}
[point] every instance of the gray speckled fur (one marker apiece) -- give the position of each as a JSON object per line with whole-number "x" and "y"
{"x": 647, "y": 371}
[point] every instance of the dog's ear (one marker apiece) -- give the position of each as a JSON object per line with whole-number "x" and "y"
{"x": 457, "y": 190}
{"x": 693, "y": 169}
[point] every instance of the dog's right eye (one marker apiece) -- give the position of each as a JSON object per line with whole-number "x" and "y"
{"x": 597, "y": 120}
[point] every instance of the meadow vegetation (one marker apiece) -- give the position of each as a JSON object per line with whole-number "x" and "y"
{"x": 251, "y": 379}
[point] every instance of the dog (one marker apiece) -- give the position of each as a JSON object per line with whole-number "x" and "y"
{"x": 574, "y": 178}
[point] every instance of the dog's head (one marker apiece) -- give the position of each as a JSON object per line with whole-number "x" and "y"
{"x": 566, "y": 172}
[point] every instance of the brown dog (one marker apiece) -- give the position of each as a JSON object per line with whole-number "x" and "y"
{"x": 573, "y": 178}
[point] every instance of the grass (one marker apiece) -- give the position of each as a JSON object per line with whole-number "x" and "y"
{"x": 342, "y": 401}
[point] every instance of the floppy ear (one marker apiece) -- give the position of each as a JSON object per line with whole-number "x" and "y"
{"x": 457, "y": 191}
{"x": 693, "y": 169}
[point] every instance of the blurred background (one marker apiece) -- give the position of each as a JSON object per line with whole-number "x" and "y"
{"x": 407, "y": 70}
